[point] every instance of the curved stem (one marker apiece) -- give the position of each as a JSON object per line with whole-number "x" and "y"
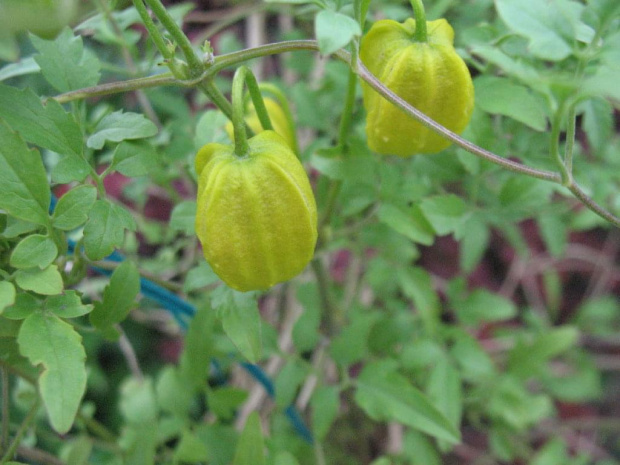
{"x": 570, "y": 137}
{"x": 241, "y": 140}
{"x": 286, "y": 108}
{"x": 420, "y": 34}
{"x": 216, "y": 96}
{"x": 257, "y": 100}
{"x": 154, "y": 33}
{"x": 20, "y": 432}
{"x": 556, "y": 126}
{"x": 196, "y": 66}
{"x": 232, "y": 59}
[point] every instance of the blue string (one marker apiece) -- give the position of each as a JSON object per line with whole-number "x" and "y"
{"x": 181, "y": 311}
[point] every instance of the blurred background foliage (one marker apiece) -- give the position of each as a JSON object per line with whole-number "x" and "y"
{"x": 465, "y": 315}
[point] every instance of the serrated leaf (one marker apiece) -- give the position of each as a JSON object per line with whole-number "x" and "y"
{"x": 34, "y": 250}
{"x": 72, "y": 208}
{"x": 48, "y": 126}
{"x": 7, "y": 295}
{"x": 119, "y": 126}
{"x": 238, "y": 312}
{"x": 412, "y": 224}
{"x": 47, "y": 340}
{"x": 183, "y": 217}
{"x": 500, "y": 96}
{"x": 135, "y": 158}
{"x": 67, "y": 305}
{"x": 64, "y": 62}
{"x": 334, "y": 30}
{"x": 445, "y": 213}
{"x": 250, "y": 449}
{"x": 105, "y": 229}
{"x": 118, "y": 297}
{"x": 47, "y": 281}
{"x": 386, "y": 395}
{"x": 24, "y": 306}
{"x": 551, "y": 26}
{"x": 24, "y": 190}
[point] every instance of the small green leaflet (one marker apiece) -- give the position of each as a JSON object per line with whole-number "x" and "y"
{"x": 47, "y": 340}
{"x": 48, "y": 126}
{"x": 105, "y": 229}
{"x": 238, "y": 312}
{"x": 135, "y": 158}
{"x": 7, "y": 295}
{"x": 24, "y": 189}
{"x": 65, "y": 63}
{"x": 118, "y": 297}
{"x": 384, "y": 394}
{"x": 250, "y": 449}
{"x": 72, "y": 208}
{"x": 34, "y": 250}
{"x": 119, "y": 126}
{"x": 334, "y": 30}
{"x": 47, "y": 281}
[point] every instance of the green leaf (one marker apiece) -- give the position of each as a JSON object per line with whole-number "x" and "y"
{"x": 325, "y": 404}
{"x": 412, "y": 224}
{"x": 334, "y": 30}
{"x": 118, "y": 297}
{"x": 47, "y": 126}
{"x": 238, "y": 312}
{"x": 105, "y": 229}
{"x": 474, "y": 237}
{"x": 500, "y": 96}
{"x": 67, "y": 305}
{"x": 285, "y": 458}
{"x": 47, "y": 340}
{"x": 199, "y": 277}
{"x": 598, "y": 123}
{"x": 64, "y": 62}
{"x": 183, "y": 217}
{"x": 24, "y": 306}
{"x": 190, "y": 449}
{"x": 420, "y": 450}
{"x": 72, "y": 208}
{"x": 250, "y": 449}
{"x": 444, "y": 212}
{"x": 530, "y": 358}
{"x": 416, "y": 284}
{"x": 24, "y": 190}
{"x": 173, "y": 394}
{"x": 21, "y": 68}
{"x": 119, "y": 126}
{"x": 444, "y": 389}
{"x": 34, "y": 250}
{"x": 225, "y": 401}
{"x": 483, "y": 306}
{"x": 135, "y": 158}
{"x": 138, "y": 402}
{"x": 198, "y": 348}
{"x": 386, "y": 395}
{"x": 47, "y": 281}
{"x": 7, "y": 295}
{"x": 554, "y": 231}
{"x": 210, "y": 128}
{"x": 551, "y": 26}
{"x": 288, "y": 381}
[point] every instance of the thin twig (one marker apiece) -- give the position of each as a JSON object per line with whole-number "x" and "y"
{"x": 20, "y": 433}
{"x": 130, "y": 355}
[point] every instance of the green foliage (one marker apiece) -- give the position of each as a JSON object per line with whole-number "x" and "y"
{"x": 454, "y": 311}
